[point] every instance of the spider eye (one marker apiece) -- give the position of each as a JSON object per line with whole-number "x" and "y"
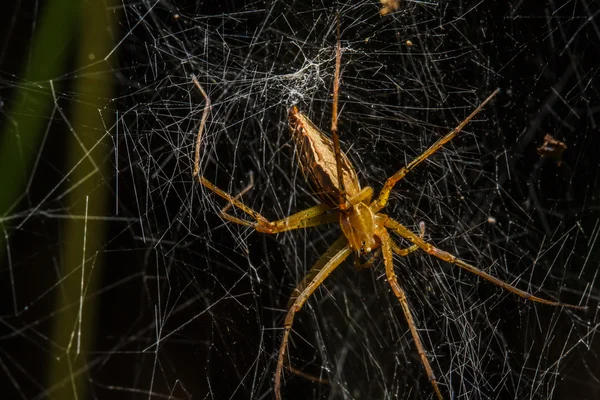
{"x": 363, "y": 248}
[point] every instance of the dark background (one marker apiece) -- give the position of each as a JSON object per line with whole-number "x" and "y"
{"x": 190, "y": 307}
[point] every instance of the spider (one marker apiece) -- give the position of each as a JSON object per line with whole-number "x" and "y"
{"x": 364, "y": 228}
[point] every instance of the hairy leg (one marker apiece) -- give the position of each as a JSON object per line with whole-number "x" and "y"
{"x": 312, "y": 216}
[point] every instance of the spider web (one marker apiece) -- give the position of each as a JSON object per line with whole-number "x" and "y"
{"x": 120, "y": 280}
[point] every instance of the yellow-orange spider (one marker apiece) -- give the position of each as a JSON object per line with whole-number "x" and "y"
{"x": 334, "y": 181}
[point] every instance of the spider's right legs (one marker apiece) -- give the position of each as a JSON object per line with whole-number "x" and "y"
{"x": 392, "y": 180}
{"x": 333, "y": 257}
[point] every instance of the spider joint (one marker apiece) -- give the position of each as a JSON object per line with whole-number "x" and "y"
{"x": 264, "y": 226}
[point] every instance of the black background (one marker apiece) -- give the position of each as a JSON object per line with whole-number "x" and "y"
{"x": 224, "y": 319}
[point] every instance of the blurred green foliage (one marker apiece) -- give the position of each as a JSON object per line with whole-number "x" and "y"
{"x": 66, "y": 27}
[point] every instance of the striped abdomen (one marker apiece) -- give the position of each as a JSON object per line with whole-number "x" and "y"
{"x": 317, "y": 160}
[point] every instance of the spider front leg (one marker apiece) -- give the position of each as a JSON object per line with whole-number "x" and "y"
{"x": 384, "y": 195}
{"x": 312, "y": 216}
{"x": 443, "y": 255}
{"x": 333, "y": 257}
{"x": 386, "y": 245}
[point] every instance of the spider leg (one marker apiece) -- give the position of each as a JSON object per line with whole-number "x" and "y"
{"x": 312, "y": 216}
{"x": 386, "y": 245}
{"x": 363, "y": 196}
{"x": 230, "y": 217}
{"x": 434, "y": 251}
{"x": 316, "y": 268}
{"x": 395, "y": 248}
{"x": 207, "y": 105}
{"x": 333, "y": 257}
{"x": 308, "y": 278}
{"x": 303, "y": 220}
{"x": 384, "y": 195}
{"x": 404, "y": 252}
{"x": 303, "y": 374}
{"x": 205, "y": 182}
{"x": 334, "y": 120}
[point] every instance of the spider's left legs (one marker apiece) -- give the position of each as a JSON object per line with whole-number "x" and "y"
{"x": 237, "y": 198}
{"x": 443, "y": 255}
{"x": 384, "y": 195}
{"x": 333, "y": 257}
{"x": 304, "y": 219}
{"x": 386, "y": 245}
{"x": 312, "y": 216}
{"x": 208, "y": 184}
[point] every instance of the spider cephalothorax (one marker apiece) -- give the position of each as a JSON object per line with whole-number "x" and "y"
{"x": 360, "y": 226}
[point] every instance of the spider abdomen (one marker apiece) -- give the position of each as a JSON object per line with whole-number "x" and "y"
{"x": 317, "y": 160}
